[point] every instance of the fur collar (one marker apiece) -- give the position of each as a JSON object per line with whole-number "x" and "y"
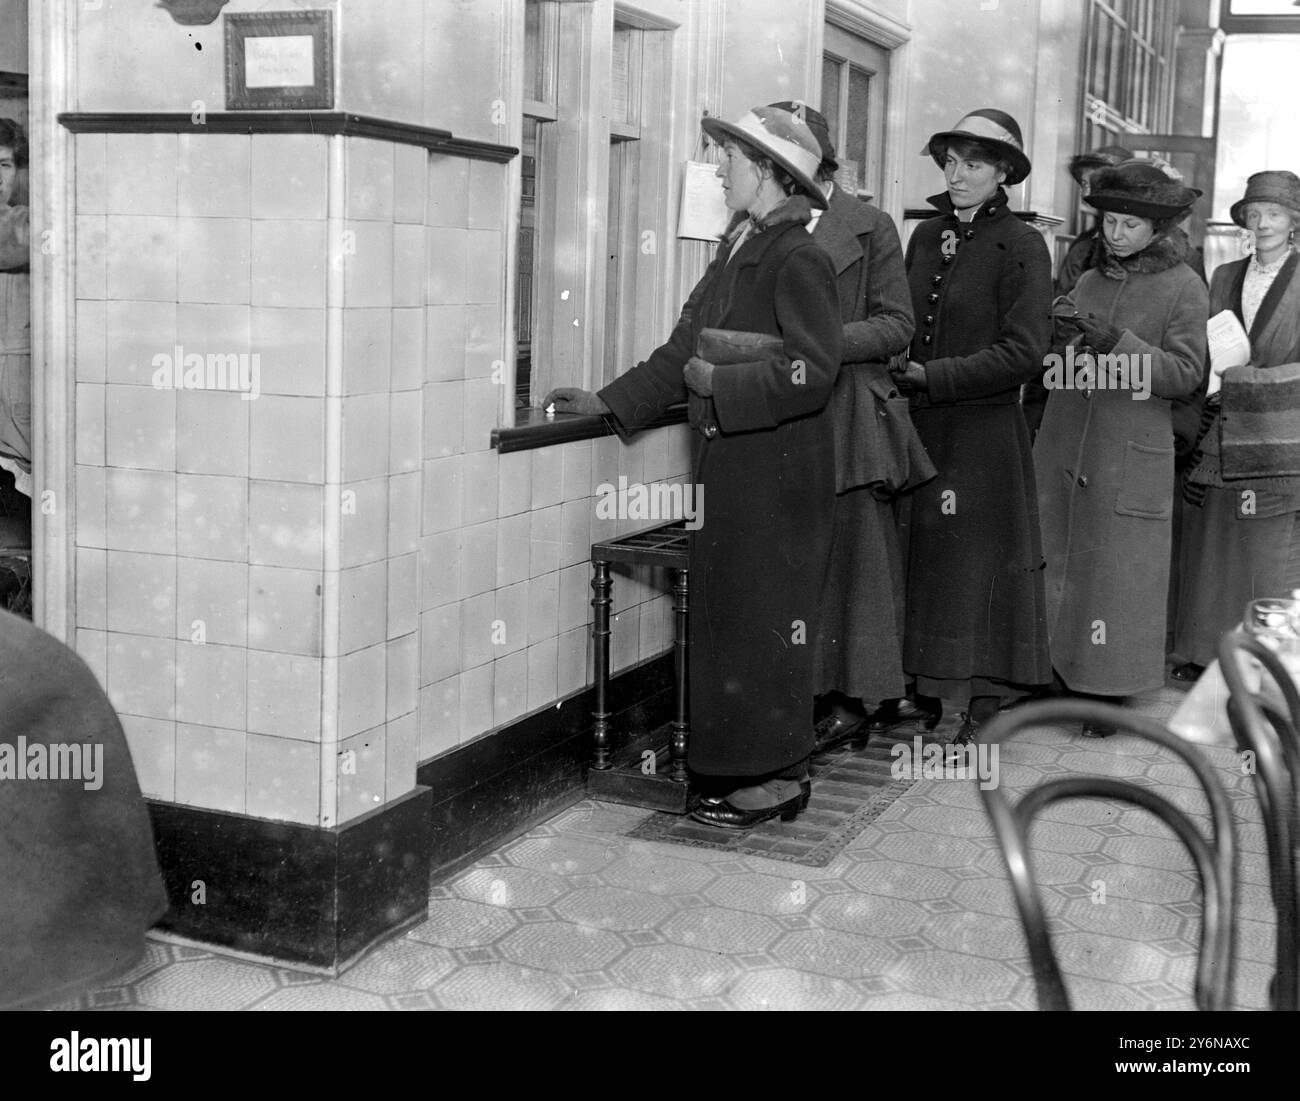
{"x": 1163, "y": 253}
{"x": 793, "y": 208}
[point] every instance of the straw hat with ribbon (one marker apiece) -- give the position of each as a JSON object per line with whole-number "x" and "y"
{"x": 781, "y": 135}
{"x": 991, "y": 127}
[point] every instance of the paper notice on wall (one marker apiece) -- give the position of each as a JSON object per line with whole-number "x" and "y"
{"x": 1229, "y": 346}
{"x": 704, "y": 214}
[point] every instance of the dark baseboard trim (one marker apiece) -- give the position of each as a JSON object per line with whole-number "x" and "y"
{"x": 286, "y": 122}
{"x": 502, "y": 784}
{"x": 320, "y": 897}
{"x": 302, "y": 894}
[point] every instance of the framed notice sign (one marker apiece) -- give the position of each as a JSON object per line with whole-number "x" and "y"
{"x": 278, "y": 60}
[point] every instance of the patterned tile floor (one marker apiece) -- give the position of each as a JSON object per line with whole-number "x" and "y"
{"x": 915, "y": 913}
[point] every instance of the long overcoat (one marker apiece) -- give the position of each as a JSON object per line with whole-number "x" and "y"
{"x": 982, "y": 293}
{"x": 1104, "y": 458}
{"x": 758, "y": 560}
{"x": 860, "y": 645}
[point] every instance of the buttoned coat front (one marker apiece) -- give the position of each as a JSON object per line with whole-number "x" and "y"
{"x": 981, "y": 291}
{"x": 1104, "y": 459}
{"x": 758, "y": 561}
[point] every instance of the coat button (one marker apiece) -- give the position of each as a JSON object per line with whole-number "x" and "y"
{"x": 929, "y": 319}
{"x": 932, "y": 297}
{"x": 970, "y": 234}
{"x": 947, "y": 259}
{"x": 927, "y": 339}
{"x": 710, "y": 430}
{"x": 1083, "y": 481}
{"x": 936, "y": 279}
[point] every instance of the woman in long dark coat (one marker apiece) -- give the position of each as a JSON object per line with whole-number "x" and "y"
{"x": 1241, "y": 537}
{"x": 1104, "y": 456}
{"x": 766, "y": 456}
{"x": 981, "y": 282}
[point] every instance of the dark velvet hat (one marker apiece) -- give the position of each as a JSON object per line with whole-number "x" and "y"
{"x": 1141, "y": 189}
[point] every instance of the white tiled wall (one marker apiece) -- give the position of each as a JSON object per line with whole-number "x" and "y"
{"x": 462, "y": 575}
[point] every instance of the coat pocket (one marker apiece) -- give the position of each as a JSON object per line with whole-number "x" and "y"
{"x": 1147, "y": 489}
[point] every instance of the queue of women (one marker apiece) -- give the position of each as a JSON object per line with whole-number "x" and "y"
{"x": 872, "y": 475}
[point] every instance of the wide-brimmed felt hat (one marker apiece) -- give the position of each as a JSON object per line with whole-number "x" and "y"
{"x": 780, "y": 134}
{"x": 816, "y": 123}
{"x": 1141, "y": 189}
{"x": 991, "y": 127}
{"x": 1275, "y": 186}
{"x": 1105, "y": 157}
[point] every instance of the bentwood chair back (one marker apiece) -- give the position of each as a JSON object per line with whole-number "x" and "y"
{"x": 1214, "y": 856}
{"x": 1270, "y": 735}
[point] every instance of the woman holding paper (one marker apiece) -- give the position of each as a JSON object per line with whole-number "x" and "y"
{"x": 1130, "y": 339}
{"x": 766, "y": 454}
{"x": 1241, "y": 533}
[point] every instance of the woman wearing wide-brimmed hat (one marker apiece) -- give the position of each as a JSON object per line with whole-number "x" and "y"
{"x": 1130, "y": 340}
{"x": 981, "y": 284}
{"x": 1079, "y": 256}
{"x": 1241, "y": 529}
{"x": 765, "y": 453}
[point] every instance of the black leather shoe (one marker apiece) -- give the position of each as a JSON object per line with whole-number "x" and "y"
{"x": 968, "y": 732}
{"x": 727, "y": 817}
{"x": 902, "y": 714}
{"x": 833, "y": 731}
{"x": 1188, "y": 672}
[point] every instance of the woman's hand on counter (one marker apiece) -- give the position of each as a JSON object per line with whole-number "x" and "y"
{"x": 570, "y": 399}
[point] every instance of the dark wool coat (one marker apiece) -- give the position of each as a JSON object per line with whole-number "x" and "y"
{"x": 860, "y": 645}
{"x": 1104, "y": 459}
{"x": 79, "y": 873}
{"x": 758, "y": 561}
{"x": 982, "y": 294}
{"x": 1231, "y": 555}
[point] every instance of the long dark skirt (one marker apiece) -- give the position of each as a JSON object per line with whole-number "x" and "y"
{"x": 1227, "y": 561}
{"x": 860, "y": 645}
{"x": 757, "y": 567}
{"x": 976, "y": 609}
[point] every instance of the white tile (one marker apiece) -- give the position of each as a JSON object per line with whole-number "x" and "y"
{"x": 514, "y": 549}
{"x": 408, "y": 265}
{"x": 440, "y": 569}
{"x": 403, "y": 676}
{"x": 439, "y": 717}
{"x": 479, "y": 630}
{"x": 214, "y": 259}
{"x": 446, "y": 339}
{"x": 291, "y": 343}
{"x": 211, "y": 767}
{"x": 369, "y": 179}
{"x": 285, "y": 525}
{"x": 284, "y": 696}
{"x": 545, "y": 540}
{"x": 547, "y": 476}
{"x": 443, "y": 494}
{"x": 367, "y": 350}
{"x": 510, "y": 628}
{"x": 363, "y": 606}
{"x": 283, "y": 779}
{"x": 290, "y": 176}
{"x": 403, "y": 594}
{"x": 205, "y": 159}
{"x": 482, "y": 412}
{"x": 401, "y": 755}
{"x": 152, "y": 743}
{"x": 363, "y": 535}
{"x": 407, "y": 366}
{"x": 476, "y": 703}
{"x": 290, "y": 268}
{"x": 403, "y": 513}
{"x": 142, "y": 675}
{"x": 577, "y": 469}
{"x": 212, "y": 601}
{"x": 481, "y": 486}
{"x": 543, "y": 673}
{"x": 448, "y": 191}
{"x": 440, "y": 643}
{"x": 141, "y": 258}
{"x": 444, "y": 419}
{"x": 543, "y": 608}
{"x": 141, "y": 336}
{"x": 90, "y": 424}
{"x": 141, "y": 596}
{"x": 573, "y": 667}
{"x": 484, "y": 269}
{"x": 509, "y": 688}
{"x": 92, "y": 256}
{"x": 92, "y": 588}
{"x": 92, "y": 341}
{"x": 211, "y": 685}
{"x": 140, "y": 175}
{"x": 448, "y": 258}
{"x": 90, "y": 506}
{"x": 514, "y": 482}
{"x": 212, "y": 433}
{"x": 365, "y": 436}
{"x": 212, "y": 517}
{"x": 575, "y": 597}
{"x": 575, "y": 531}
{"x": 361, "y": 771}
{"x": 362, "y": 689}
{"x": 410, "y": 167}
{"x": 478, "y": 558}
{"x": 140, "y": 429}
{"x": 405, "y": 450}
{"x": 284, "y": 610}
{"x": 141, "y": 510}
{"x": 368, "y": 264}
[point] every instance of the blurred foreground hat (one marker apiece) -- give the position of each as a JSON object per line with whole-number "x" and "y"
{"x": 816, "y": 123}
{"x": 1108, "y": 156}
{"x": 780, "y": 134}
{"x": 991, "y": 127}
{"x": 1141, "y": 189}
{"x": 1275, "y": 186}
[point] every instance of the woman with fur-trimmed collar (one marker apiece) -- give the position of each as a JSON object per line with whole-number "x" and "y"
{"x": 1130, "y": 339}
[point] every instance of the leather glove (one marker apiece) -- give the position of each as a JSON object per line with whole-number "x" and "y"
{"x": 698, "y": 376}
{"x": 1097, "y": 334}
{"x": 910, "y": 379}
{"x": 570, "y": 399}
